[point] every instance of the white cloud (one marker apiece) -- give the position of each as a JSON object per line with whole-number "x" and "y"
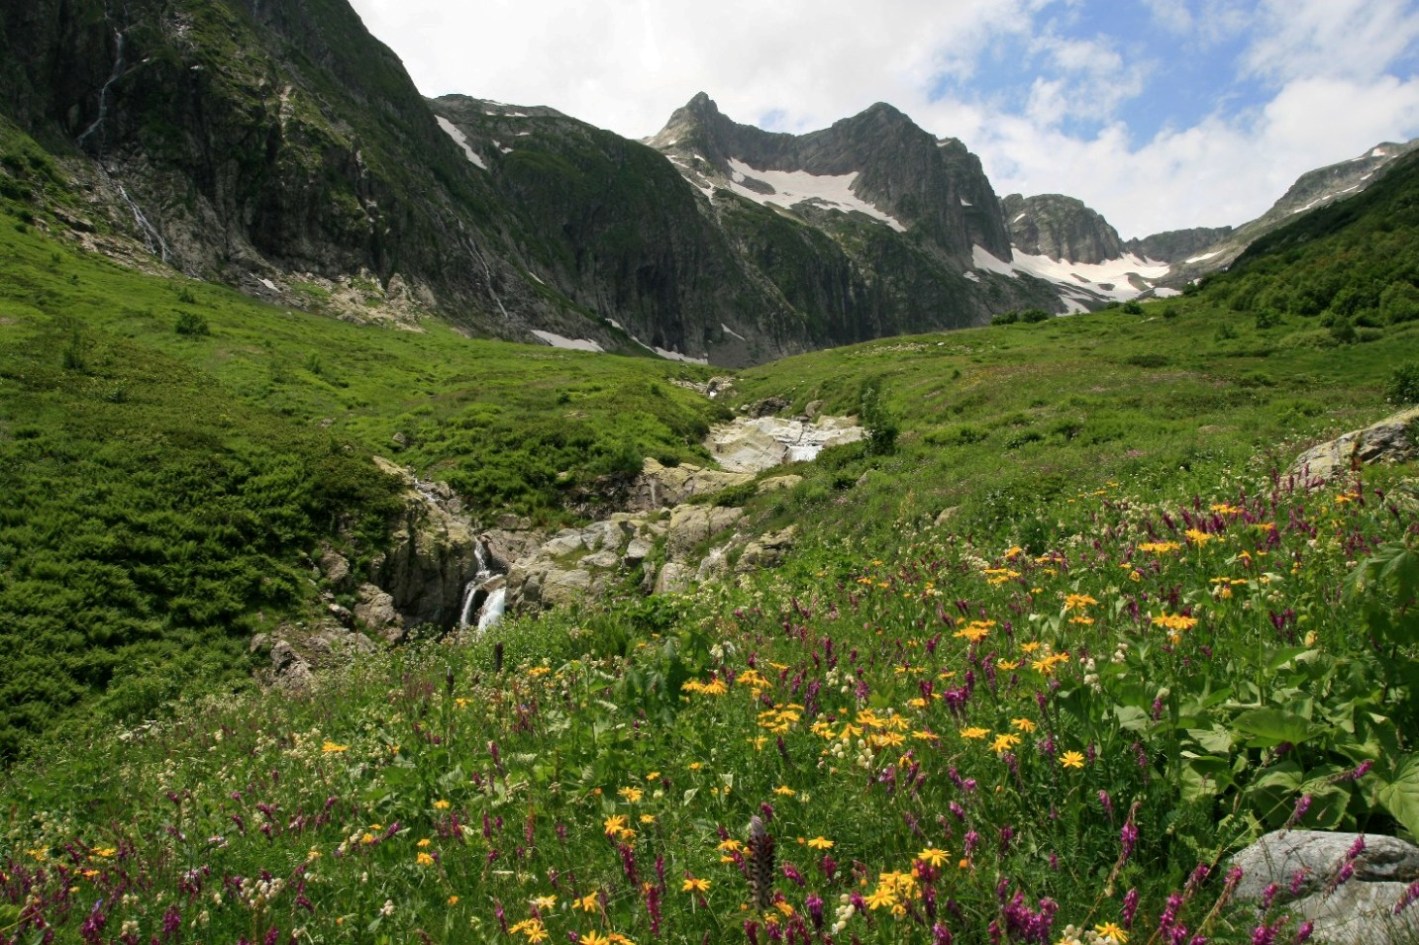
{"x": 1330, "y": 71}
{"x": 1349, "y": 38}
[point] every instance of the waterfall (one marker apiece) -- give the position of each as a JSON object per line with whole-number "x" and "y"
{"x": 103, "y": 92}
{"x": 492, "y": 609}
{"x": 151, "y": 237}
{"x": 478, "y": 602}
{"x": 470, "y": 594}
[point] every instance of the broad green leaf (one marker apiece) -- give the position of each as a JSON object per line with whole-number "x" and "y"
{"x": 1205, "y": 777}
{"x": 1267, "y": 728}
{"x": 1401, "y": 795}
{"x": 1216, "y": 739}
{"x": 1131, "y": 718}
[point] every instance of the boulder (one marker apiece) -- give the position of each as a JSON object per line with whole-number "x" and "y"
{"x": 565, "y": 587}
{"x": 292, "y": 672}
{"x": 662, "y": 487}
{"x": 636, "y": 552}
{"x": 376, "y": 611}
{"x": 1392, "y": 440}
{"x": 767, "y": 551}
{"x": 753, "y": 444}
{"x": 673, "y": 578}
{"x": 690, "y": 525}
{"x": 714, "y": 566}
{"x": 779, "y": 483}
{"x": 334, "y": 567}
{"x": 1359, "y": 911}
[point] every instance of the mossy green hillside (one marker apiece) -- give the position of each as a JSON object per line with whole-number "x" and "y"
{"x": 174, "y": 454}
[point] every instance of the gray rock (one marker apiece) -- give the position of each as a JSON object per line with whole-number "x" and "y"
{"x": 673, "y": 578}
{"x": 750, "y": 445}
{"x": 692, "y": 524}
{"x": 565, "y": 543}
{"x": 714, "y": 566}
{"x": 1061, "y": 228}
{"x": 293, "y": 673}
{"x": 1391, "y": 440}
{"x": 432, "y": 552}
{"x": 334, "y": 567}
{"x": 603, "y": 560}
{"x": 1357, "y": 912}
{"x": 661, "y": 486}
{"x": 376, "y": 611}
{"x": 766, "y": 551}
{"x": 636, "y": 552}
{"x": 565, "y": 587}
{"x": 778, "y": 483}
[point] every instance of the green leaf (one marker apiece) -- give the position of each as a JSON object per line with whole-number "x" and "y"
{"x": 1267, "y": 728}
{"x": 1401, "y": 795}
{"x": 1216, "y": 739}
{"x": 1131, "y": 718}
{"x": 1205, "y": 777}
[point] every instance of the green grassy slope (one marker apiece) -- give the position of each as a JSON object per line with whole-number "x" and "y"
{"x": 173, "y": 453}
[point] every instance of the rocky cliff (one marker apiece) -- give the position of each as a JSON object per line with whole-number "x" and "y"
{"x": 1060, "y": 227}
{"x": 242, "y": 140}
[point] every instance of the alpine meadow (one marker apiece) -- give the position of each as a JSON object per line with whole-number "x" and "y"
{"x": 388, "y": 551}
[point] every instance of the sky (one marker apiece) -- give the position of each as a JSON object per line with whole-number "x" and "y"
{"x": 1160, "y": 114}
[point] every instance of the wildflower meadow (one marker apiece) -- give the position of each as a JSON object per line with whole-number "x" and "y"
{"x": 962, "y": 742}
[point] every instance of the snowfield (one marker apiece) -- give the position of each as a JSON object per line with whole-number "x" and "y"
{"x": 794, "y": 187}
{"x": 460, "y": 139}
{"x": 1113, "y": 279}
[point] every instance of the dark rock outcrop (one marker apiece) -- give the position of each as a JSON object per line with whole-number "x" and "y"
{"x": 1061, "y": 228}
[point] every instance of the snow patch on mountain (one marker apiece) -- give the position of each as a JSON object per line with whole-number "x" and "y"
{"x": 789, "y": 188}
{"x": 460, "y": 139}
{"x": 1115, "y": 280}
{"x": 569, "y": 344}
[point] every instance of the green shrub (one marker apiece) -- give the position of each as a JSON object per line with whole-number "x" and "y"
{"x": 191, "y": 324}
{"x": 1403, "y": 385}
{"x": 879, "y": 421}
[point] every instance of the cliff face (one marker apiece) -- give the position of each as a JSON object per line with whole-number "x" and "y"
{"x": 253, "y": 137}
{"x": 1061, "y": 228}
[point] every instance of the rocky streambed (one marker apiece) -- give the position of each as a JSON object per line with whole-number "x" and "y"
{"x": 443, "y": 573}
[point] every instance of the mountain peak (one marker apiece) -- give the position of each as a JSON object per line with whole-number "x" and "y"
{"x": 702, "y": 103}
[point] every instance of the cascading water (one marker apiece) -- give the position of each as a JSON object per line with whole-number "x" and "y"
{"x": 151, "y": 237}
{"x": 492, "y": 609}
{"x": 479, "y": 603}
{"x": 113, "y": 77}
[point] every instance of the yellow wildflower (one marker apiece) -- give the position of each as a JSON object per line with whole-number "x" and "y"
{"x": 1112, "y": 932}
{"x": 933, "y": 855}
{"x": 1004, "y": 742}
{"x": 1072, "y": 759}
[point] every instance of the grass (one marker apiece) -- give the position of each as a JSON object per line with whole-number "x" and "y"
{"x": 959, "y": 738}
{"x": 173, "y": 456}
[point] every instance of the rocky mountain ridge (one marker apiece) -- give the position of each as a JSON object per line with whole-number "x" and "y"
{"x": 284, "y": 150}
{"x": 1321, "y": 187}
